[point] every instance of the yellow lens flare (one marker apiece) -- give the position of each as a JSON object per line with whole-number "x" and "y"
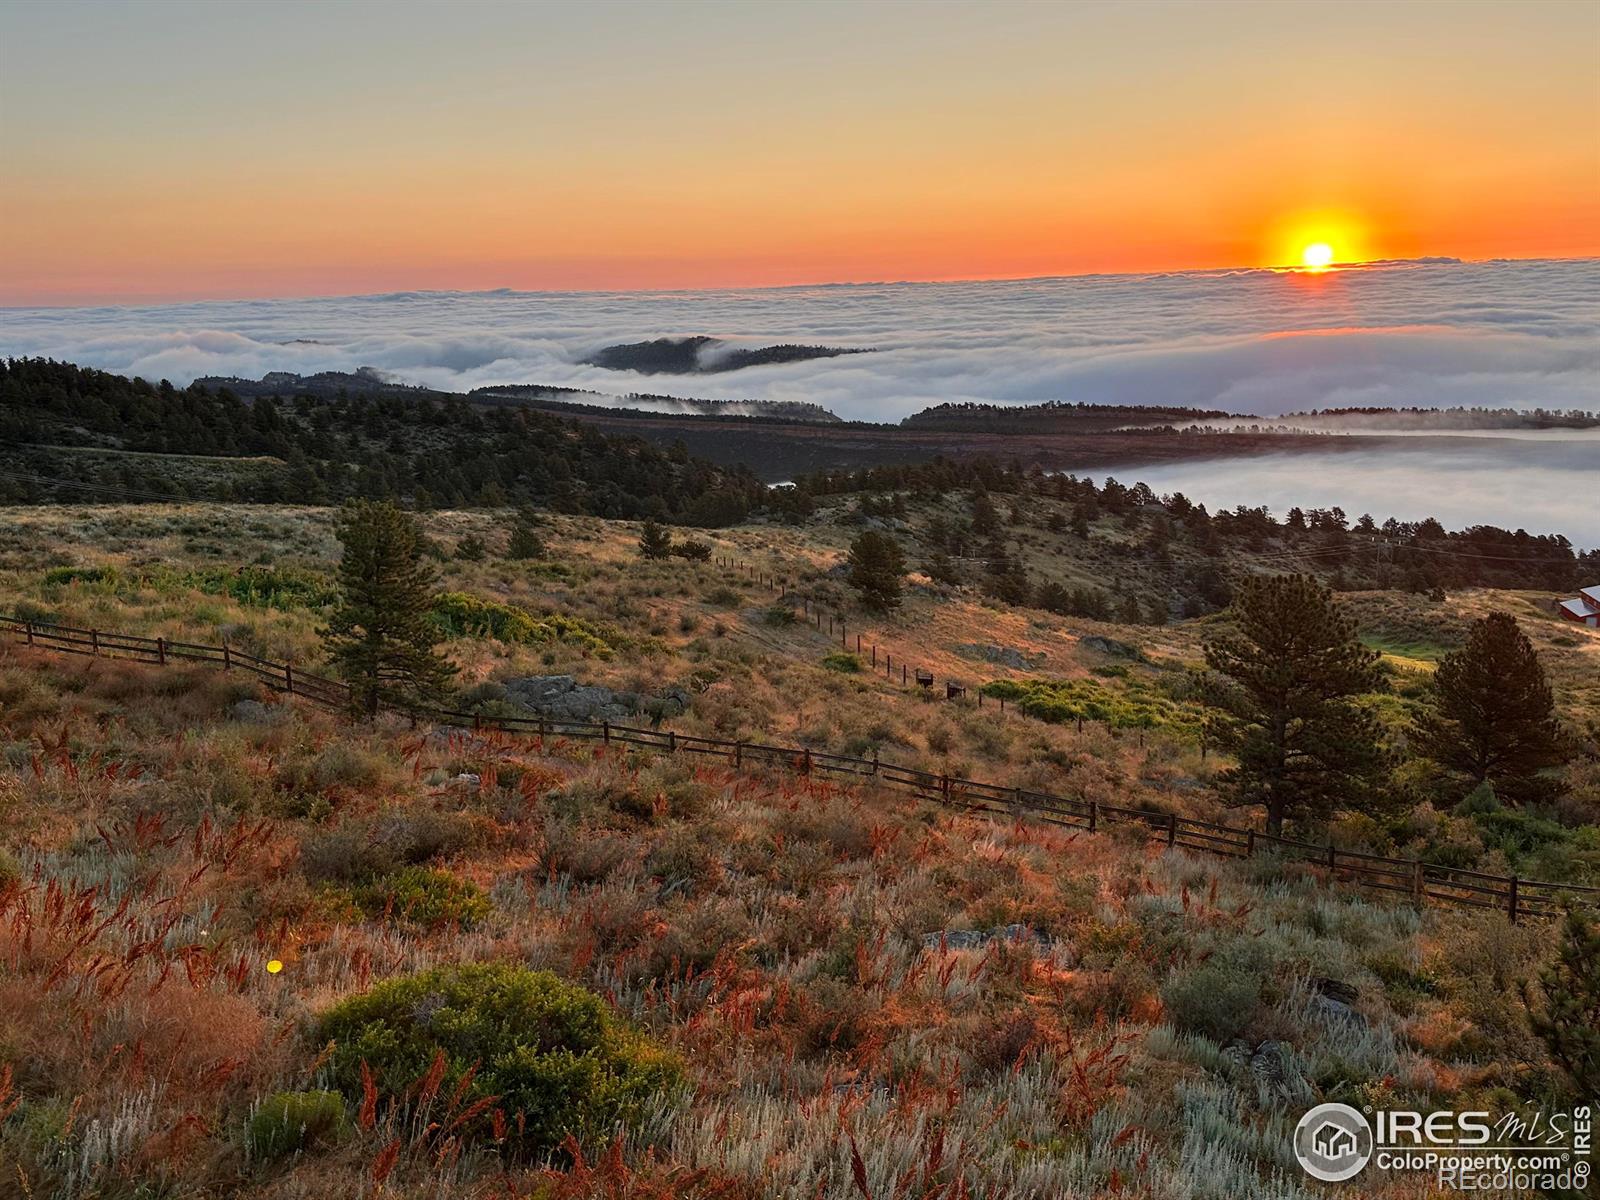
{"x": 274, "y": 965}
{"x": 1318, "y": 256}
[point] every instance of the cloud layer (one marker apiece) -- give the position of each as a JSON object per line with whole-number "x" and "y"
{"x": 1522, "y": 335}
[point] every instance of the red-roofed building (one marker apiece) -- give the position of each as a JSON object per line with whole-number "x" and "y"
{"x": 1584, "y": 608}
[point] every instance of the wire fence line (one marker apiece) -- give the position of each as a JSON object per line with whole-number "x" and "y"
{"x": 1413, "y": 878}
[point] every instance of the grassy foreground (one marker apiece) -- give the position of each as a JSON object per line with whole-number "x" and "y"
{"x": 868, "y": 995}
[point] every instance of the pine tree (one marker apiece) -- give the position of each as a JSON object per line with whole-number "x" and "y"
{"x": 1284, "y": 677}
{"x": 525, "y": 541}
{"x": 381, "y": 636}
{"x": 1494, "y": 718}
{"x": 654, "y": 541}
{"x": 1569, "y": 1019}
{"x": 876, "y": 565}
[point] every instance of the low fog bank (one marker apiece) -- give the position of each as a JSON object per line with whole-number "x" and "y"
{"x": 1520, "y": 335}
{"x": 1544, "y": 489}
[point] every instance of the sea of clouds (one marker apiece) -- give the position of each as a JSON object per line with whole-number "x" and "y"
{"x": 1500, "y": 334}
{"x": 1430, "y": 334}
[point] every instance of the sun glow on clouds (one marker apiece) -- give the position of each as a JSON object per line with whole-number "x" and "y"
{"x": 1262, "y": 342}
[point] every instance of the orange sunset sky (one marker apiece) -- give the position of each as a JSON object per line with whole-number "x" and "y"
{"x": 179, "y": 151}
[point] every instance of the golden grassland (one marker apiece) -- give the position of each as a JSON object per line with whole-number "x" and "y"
{"x": 869, "y": 993}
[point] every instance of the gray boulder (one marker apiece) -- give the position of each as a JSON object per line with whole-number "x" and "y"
{"x": 1005, "y": 656}
{"x": 1109, "y": 646}
{"x": 248, "y": 712}
{"x": 563, "y": 697}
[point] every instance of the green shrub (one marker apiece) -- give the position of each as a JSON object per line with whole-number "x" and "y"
{"x": 724, "y": 597}
{"x": 779, "y": 614}
{"x": 845, "y": 664}
{"x": 1215, "y": 1000}
{"x": 462, "y": 615}
{"x": 287, "y": 1122}
{"x": 69, "y": 575}
{"x": 1133, "y": 705}
{"x": 558, "y": 1060}
{"x": 423, "y": 895}
{"x": 266, "y": 587}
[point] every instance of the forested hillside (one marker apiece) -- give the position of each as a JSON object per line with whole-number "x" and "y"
{"x": 68, "y": 431}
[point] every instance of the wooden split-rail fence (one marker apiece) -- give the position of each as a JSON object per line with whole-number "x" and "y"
{"x": 1412, "y": 878}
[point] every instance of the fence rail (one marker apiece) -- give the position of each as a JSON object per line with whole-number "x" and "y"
{"x": 1418, "y": 880}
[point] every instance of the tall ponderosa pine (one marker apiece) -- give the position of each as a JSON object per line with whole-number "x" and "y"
{"x": 1494, "y": 718}
{"x": 876, "y": 565}
{"x": 382, "y": 635}
{"x": 1569, "y": 1019}
{"x": 1285, "y": 673}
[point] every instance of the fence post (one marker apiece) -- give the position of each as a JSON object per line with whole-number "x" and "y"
{"x": 672, "y": 742}
{"x": 1250, "y": 843}
{"x": 874, "y": 656}
{"x": 1511, "y": 900}
{"x": 1172, "y": 830}
{"x": 944, "y": 787}
{"x": 1417, "y": 880}
{"x": 227, "y": 658}
{"x": 30, "y": 633}
{"x": 902, "y": 674}
{"x": 605, "y": 732}
{"x": 874, "y": 760}
{"x": 807, "y": 767}
{"x": 1332, "y": 856}
{"x": 94, "y": 640}
{"x": 477, "y": 722}
{"x": 858, "y": 641}
{"x": 738, "y": 754}
{"x": 161, "y": 651}
{"x": 288, "y": 679}
{"x": 1080, "y": 724}
{"x": 1094, "y": 815}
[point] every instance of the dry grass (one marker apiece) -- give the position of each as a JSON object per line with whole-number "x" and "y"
{"x": 798, "y": 943}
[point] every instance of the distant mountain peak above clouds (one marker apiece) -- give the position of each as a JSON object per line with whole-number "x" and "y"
{"x": 703, "y": 355}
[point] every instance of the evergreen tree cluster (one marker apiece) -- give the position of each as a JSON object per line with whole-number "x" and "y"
{"x": 1185, "y": 541}
{"x": 429, "y": 449}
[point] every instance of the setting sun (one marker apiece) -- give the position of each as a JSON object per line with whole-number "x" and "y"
{"x": 1317, "y": 256}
